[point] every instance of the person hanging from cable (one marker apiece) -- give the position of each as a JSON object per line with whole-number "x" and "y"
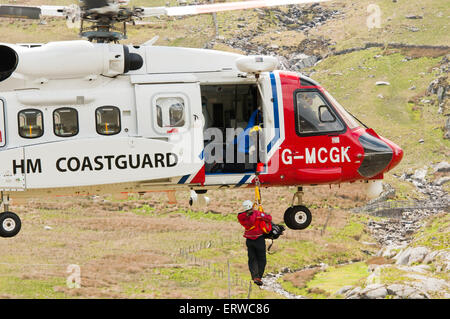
{"x": 256, "y": 224}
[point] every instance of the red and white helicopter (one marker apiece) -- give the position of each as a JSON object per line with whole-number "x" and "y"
{"x": 92, "y": 117}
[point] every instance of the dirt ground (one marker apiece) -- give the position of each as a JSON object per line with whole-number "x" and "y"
{"x": 131, "y": 248}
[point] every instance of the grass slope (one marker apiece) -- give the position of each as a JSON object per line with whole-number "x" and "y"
{"x": 126, "y": 250}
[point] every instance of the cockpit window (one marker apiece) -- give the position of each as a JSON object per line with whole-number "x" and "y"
{"x": 348, "y": 118}
{"x": 314, "y": 115}
{"x": 31, "y": 123}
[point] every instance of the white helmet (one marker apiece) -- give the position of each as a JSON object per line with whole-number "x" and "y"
{"x": 248, "y": 204}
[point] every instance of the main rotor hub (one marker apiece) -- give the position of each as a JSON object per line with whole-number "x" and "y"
{"x": 103, "y": 25}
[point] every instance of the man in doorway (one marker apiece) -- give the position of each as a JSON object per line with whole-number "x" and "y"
{"x": 254, "y": 222}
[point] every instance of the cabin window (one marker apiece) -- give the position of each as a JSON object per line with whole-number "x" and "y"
{"x": 65, "y": 122}
{"x": 31, "y": 123}
{"x": 170, "y": 112}
{"x": 108, "y": 120}
{"x": 314, "y": 115}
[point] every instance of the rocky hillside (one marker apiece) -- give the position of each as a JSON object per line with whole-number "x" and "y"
{"x": 403, "y": 64}
{"x": 414, "y": 261}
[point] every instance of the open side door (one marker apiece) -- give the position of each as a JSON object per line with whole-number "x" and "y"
{"x": 2, "y": 124}
{"x": 12, "y": 176}
{"x": 173, "y": 113}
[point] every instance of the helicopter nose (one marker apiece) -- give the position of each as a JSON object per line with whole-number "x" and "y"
{"x": 380, "y": 155}
{"x": 397, "y": 153}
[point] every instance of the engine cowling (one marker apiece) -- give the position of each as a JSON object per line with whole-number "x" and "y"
{"x": 8, "y": 62}
{"x": 67, "y": 59}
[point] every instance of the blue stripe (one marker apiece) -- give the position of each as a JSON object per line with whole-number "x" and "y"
{"x": 276, "y": 116}
{"x": 183, "y": 179}
{"x": 243, "y": 180}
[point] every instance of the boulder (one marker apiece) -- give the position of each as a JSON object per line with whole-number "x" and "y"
{"x": 344, "y": 290}
{"x": 423, "y": 269}
{"x": 447, "y": 128}
{"x": 443, "y": 166}
{"x": 441, "y": 181}
{"x": 443, "y": 258}
{"x": 353, "y": 293}
{"x": 402, "y": 257}
{"x": 405, "y": 292}
{"x": 420, "y": 174}
{"x": 411, "y": 16}
{"x": 419, "y": 295}
{"x": 374, "y": 291}
{"x": 417, "y": 254}
{"x": 301, "y": 61}
{"x": 391, "y": 250}
{"x": 430, "y": 257}
{"x": 426, "y": 283}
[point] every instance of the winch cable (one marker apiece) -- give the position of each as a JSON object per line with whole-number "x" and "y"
{"x": 259, "y": 168}
{"x": 258, "y": 202}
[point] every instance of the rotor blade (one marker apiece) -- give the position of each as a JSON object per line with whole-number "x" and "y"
{"x": 28, "y": 12}
{"x": 94, "y": 4}
{"x": 20, "y": 12}
{"x": 53, "y": 11}
{"x": 219, "y": 7}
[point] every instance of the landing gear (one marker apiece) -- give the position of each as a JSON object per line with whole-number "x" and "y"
{"x": 198, "y": 198}
{"x": 297, "y": 216}
{"x": 10, "y": 223}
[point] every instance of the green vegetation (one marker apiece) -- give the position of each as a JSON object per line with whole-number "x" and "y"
{"x": 393, "y": 275}
{"x": 334, "y": 278}
{"x": 327, "y": 283}
{"x": 352, "y": 31}
{"x": 388, "y": 109}
{"x": 31, "y": 288}
{"x": 354, "y": 229}
{"x": 144, "y": 210}
{"x": 436, "y": 233}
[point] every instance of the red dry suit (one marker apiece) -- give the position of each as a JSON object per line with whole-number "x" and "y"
{"x": 256, "y": 224}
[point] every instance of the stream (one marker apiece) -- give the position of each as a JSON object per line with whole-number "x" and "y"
{"x": 388, "y": 231}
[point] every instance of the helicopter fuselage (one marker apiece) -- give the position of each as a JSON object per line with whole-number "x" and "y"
{"x": 84, "y": 118}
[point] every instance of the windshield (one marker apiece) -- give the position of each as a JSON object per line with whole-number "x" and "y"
{"x": 351, "y": 121}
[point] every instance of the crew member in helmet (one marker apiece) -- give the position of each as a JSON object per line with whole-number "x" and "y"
{"x": 255, "y": 222}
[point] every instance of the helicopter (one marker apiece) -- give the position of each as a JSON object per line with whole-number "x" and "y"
{"x": 89, "y": 117}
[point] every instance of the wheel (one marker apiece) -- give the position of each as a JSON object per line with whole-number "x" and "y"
{"x": 10, "y": 224}
{"x": 297, "y": 217}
